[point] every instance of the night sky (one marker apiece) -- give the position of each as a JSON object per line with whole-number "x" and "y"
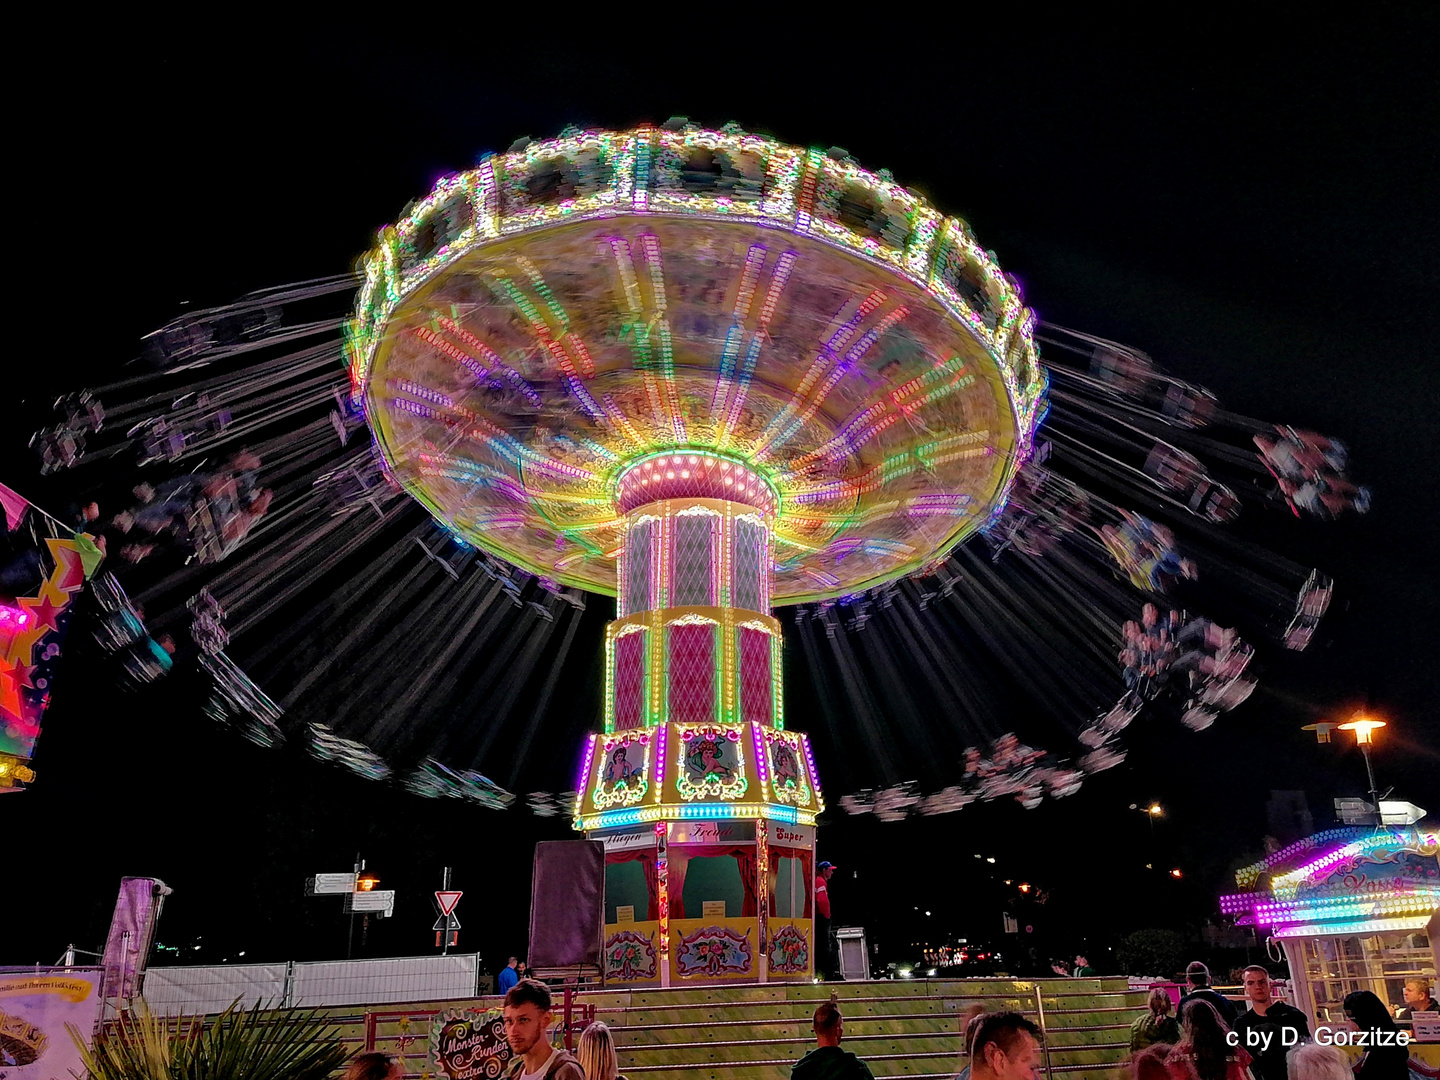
{"x": 1253, "y": 203}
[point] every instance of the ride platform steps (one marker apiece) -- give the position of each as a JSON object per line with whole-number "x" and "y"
{"x": 902, "y": 1028}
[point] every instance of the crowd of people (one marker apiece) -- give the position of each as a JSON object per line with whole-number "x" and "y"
{"x": 1207, "y": 1038}
{"x": 1204, "y": 1037}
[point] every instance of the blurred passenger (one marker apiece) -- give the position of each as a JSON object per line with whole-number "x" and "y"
{"x": 1157, "y": 1025}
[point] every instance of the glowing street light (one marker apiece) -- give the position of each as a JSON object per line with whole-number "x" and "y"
{"x": 1365, "y": 728}
{"x": 1176, "y": 873}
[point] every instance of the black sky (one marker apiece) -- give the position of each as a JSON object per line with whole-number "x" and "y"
{"x": 1252, "y": 199}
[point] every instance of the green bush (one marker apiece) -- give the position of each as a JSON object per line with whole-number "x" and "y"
{"x": 1160, "y": 953}
{"x": 236, "y": 1045}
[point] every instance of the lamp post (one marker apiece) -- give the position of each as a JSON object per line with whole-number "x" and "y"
{"x": 1365, "y": 729}
{"x": 366, "y": 882}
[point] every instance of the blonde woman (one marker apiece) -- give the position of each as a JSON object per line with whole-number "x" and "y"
{"x": 1157, "y": 1025}
{"x": 596, "y": 1054}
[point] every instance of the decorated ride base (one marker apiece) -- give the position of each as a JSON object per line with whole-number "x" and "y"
{"x": 705, "y": 803}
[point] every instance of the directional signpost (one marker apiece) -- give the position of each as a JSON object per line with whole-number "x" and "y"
{"x": 358, "y": 889}
{"x": 326, "y": 884}
{"x": 380, "y": 901}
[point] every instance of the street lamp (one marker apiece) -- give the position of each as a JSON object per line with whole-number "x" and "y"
{"x": 1365, "y": 728}
{"x": 367, "y": 881}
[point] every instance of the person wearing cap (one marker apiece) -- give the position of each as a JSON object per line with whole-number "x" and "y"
{"x": 824, "y": 950}
{"x": 1197, "y": 976}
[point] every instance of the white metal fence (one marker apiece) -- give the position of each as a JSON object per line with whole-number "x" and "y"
{"x": 171, "y": 991}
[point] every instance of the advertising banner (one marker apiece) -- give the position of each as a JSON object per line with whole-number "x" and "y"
{"x": 469, "y": 1045}
{"x": 34, "y": 1009}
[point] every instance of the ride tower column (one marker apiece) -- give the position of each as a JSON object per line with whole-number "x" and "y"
{"x": 695, "y": 775}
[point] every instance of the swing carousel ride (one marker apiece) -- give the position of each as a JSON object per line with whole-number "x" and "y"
{"x": 709, "y": 375}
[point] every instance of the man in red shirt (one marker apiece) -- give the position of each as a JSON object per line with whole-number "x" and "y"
{"x": 824, "y": 949}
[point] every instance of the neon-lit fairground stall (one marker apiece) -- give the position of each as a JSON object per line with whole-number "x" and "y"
{"x": 1354, "y": 908}
{"x": 708, "y": 374}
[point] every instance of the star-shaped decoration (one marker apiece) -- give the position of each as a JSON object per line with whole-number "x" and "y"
{"x": 44, "y": 610}
{"x": 23, "y": 674}
{"x": 10, "y": 692}
{"x": 69, "y": 573}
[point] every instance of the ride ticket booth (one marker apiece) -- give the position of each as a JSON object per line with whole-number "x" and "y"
{"x": 1353, "y": 908}
{"x": 724, "y": 897}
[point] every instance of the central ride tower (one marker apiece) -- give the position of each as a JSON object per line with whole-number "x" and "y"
{"x": 705, "y": 803}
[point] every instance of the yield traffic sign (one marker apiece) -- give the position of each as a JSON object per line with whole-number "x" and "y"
{"x": 447, "y": 899}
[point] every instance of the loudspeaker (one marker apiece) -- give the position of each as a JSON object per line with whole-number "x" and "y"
{"x": 567, "y": 905}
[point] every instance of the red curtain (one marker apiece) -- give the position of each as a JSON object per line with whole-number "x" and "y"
{"x": 675, "y": 880}
{"x": 749, "y": 866}
{"x": 680, "y": 859}
{"x": 646, "y": 858}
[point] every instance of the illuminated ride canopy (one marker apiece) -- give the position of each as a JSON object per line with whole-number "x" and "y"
{"x": 538, "y": 326}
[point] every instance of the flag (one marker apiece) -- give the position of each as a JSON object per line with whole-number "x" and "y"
{"x": 14, "y": 506}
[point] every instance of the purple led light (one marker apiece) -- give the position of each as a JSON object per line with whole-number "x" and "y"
{"x": 660, "y": 762}
{"x": 810, "y": 762}
{"x": 759, "y": 754}
{"x": 584, "y": 772}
